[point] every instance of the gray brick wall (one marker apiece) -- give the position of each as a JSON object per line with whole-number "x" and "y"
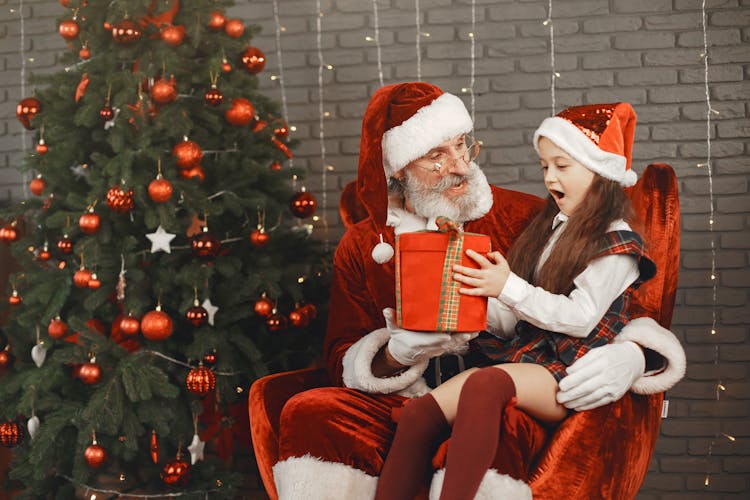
{"x": 643, "y": 51}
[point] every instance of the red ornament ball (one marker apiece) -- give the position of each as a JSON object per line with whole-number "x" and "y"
{"x": 173, "y": 35}
{"x": 14, "y": 298}
{"x": 214, "y": 96}
{"x": 11, "y": 434}
{"x": 65, "y": 245}
{"x": 200, "y": 381}
{"x": 210, "y": 358}
{"x": 298, "y": 318}
{"x": 276, "y": 322}
{"x": 225, "y": 66}
{"x": 234, "y": 28}
{"x": 241, "y": 113}
{"x": 90, "y": 222}
{"x": 84, "y": 53}
{"x": 156, "y": 325}
{"x": 37, "y": 185}
{"x": 129, "y": 325}
{"x": 197, "y": 315}
{"x": 6, "y": 359}
{"x": 188, "y": 154}
{"x": 119, "y": 199}
{"x": 205, "y": 245}
{"x": 69, "y": 29}
{"x": 276, "y": 166}
{"x": 81, "y": 278}
{"x": 44, "y": 254}
{"x": 194, "y": 172}
{"x": 253, "y": 59}
{"x": 90, "y": 373}
{"x": 57, "y": 328}
{"x": 216, "y": 21}
{"x": 259, "y": 238}
{"x": 126, "y": 32}
{"x": 160, "y": 189}
{"x": 282, "y": 131}
{"x": 164, "y": 91}
{"x": 95, "y": 455}
{"x": 302, "y": 204}
{"x": 94, "y": 282}
{"x": 263, "y": 307}
{"x": 106, "y": 113}
{"x": 27, "y": 109}
{"x": 8, "y": 234}
{"x": 42, "y": 148}
{"x": 176, "y": 472}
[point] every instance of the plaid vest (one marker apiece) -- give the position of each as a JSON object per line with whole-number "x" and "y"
{"x": 532, "y": 344}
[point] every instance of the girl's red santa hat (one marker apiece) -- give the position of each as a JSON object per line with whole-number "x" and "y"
{"x": 599, "y": 136}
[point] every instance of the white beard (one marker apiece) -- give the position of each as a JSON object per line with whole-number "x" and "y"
{"x": 430, "y": 202}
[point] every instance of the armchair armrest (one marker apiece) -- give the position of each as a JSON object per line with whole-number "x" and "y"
{"x": 267, "y": 397}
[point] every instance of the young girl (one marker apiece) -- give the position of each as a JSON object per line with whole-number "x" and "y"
{"x": 573, "y": 273}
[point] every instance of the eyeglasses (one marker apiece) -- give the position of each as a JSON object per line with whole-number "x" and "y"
{"x": 439, "y": 161}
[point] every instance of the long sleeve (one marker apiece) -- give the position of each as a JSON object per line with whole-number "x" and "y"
{"x": 595, "y": 288}
{"x": 576, "y": 314}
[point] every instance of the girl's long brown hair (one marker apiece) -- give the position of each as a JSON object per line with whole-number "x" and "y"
{"x": 604, "y": 203}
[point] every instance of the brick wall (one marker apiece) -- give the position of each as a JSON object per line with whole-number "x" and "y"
{"x": 643, "y": 51}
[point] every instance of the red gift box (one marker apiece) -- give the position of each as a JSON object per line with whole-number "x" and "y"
{"x": 427, "y": 297}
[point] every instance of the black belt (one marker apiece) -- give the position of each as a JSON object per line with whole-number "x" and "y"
{"x": 442, "y": 368}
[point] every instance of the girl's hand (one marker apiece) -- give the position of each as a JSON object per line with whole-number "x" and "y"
{"x": 489, "y": 280}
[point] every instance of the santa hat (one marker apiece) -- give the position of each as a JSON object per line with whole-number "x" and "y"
{"x": 402, "y": 122}
{"x": 599, "y": 136}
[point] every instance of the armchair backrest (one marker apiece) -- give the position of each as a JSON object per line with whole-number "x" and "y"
{"x": 656, "y": 202}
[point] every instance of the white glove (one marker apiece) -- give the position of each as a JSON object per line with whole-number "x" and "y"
{"x": 410, "y": 348}
{"x": 601, "y": 376}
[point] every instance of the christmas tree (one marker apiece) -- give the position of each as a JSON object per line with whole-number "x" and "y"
{"x": 165, "y": 262}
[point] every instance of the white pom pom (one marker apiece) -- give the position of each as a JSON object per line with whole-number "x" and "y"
{"x": 383, "y": 252}
{"x": 33, "y": 426}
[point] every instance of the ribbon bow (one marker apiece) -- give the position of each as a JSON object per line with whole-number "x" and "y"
{"x": 444, "y": 224}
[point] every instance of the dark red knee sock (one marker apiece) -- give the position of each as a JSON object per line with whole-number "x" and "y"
{"x": 421, "y": 428}
{"x": 476, "y": 431}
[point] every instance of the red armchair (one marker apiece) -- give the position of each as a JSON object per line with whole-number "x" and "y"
{"x": 602, "y": 453}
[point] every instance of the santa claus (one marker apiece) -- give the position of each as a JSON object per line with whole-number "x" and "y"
{"x": 417, "y": 163}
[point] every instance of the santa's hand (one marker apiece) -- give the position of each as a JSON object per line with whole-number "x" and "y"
{"x": 410, "y": 348}
{"x": 601, "y": 376}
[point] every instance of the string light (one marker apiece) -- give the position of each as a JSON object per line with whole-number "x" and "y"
{"x": 472, "y": 38}
{"x": 720, "y": 387}
{"x": 555, "y": 74}
{"x": 128, "y": 494}
{"x": 186, "y": 365}
{"x": 418, "y": 39}
{"x": 377, "y": 40}
{"x": 282, "y": 83}
{"x": 24, "y": 144}
{"x": 321, "y": 124}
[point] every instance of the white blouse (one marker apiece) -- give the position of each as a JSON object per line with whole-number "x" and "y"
{"x": 576, "y": 314}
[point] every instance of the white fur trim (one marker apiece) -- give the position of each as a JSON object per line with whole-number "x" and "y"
{"x": 494, "y": 486}
{"x": 570, "y": 138}
{"x": 310, "y": 478}
{"x": 648, "y": 333}
{"x": 431, "y": 125}
{"x": 358, "y": 374}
